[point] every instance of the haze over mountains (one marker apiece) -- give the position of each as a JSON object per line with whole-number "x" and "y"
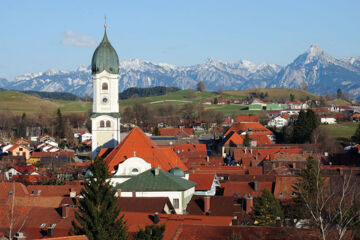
{"x": 314, "y": 68}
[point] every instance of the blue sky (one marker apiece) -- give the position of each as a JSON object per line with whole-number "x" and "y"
{"x": 40, "y": 35}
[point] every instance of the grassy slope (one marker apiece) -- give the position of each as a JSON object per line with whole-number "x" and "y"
{"x": 19, "y": 103}
{"x": 276, "y": 94}
{"x": 341, "y": 130}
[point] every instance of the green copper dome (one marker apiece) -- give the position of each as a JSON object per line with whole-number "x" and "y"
{"x": 105, "y": 58}
{"x": 177, "y": 172}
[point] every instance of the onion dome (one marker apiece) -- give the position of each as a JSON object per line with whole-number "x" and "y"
{"x": 105, "y": 58}
{"x": 177, "y": 172}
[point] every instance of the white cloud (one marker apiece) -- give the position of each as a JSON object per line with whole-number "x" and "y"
{"x": 71, "y": 38}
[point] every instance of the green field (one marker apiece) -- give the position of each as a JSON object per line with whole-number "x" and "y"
{"x": 18, "y": 103}
{"x": 341, "y": 130}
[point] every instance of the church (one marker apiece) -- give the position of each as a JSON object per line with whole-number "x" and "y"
{"x": 138, "y": 167}
{"x": 105, "y": 117}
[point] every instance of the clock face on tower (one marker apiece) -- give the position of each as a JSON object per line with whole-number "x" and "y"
{"x": 105, "y": 100}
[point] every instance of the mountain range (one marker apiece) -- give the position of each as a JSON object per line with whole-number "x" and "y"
{"x": 314, "y": 70}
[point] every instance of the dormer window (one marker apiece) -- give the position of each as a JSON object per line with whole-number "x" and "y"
{"x": 11, "y": 192}
{"x": 39, "y": 192}
{"x": 105, "y": 86}
{"x": 32, "y": 192}
{"x": 108, "y": 124}
{"x": 102, "y": 124}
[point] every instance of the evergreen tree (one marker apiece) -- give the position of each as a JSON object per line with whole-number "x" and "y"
{"x": 98, "y": 216}
{"x": 356, "y": 136}
{"x": 216, "y": 101}
{"x": 156, "y": 131}
{"x": 266, "y": 209}
{"x": 201, "y": 86}
{"x": 338, "y": 93}
{"x": 304, "y": 126}
{"x": 59, "y": 124}
{"x": 292, "y": 97}
{"x": 152, "y": 232}
{"x": 310, "y": 180}
{"x": 247, "y": 141}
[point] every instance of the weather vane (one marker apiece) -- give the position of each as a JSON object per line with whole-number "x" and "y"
{"x": 105, "y": 21}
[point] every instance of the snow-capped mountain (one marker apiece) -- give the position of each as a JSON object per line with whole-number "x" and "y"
{"x": 314, "y": 68}
{"x": 320, "y": 73}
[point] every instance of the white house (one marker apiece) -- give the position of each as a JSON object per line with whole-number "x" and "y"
{"x": 328, "y": 120}
{"x": 157, "y": 183}
{"x": 278, "y": 122}
{"x": 85, "y": 137}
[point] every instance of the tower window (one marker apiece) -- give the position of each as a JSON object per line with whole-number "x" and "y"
{"x": 108, "y": 124}
{"x": 102, "y": 124}
{"x": 104, "y": 86}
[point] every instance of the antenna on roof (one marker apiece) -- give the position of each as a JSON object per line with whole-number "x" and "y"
{"x": 105, "y": 21}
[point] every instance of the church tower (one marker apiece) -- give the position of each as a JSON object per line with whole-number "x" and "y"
{"x": 105, "y": 117}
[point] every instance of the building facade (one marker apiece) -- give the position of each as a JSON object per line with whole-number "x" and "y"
{"x": 105, "y": 117}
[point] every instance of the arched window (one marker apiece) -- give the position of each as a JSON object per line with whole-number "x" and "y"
{"x": 134, "y": 171}
{"x": 102, "y": 124}
{"x": 104, "y": 86}
{"x": 108, "y": 123}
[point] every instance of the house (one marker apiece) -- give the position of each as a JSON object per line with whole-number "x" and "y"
{"x": 20, "y": 170}
{"x": 257, "y": 104}
{"x": 176, "y": 131}
{"x": 136, "y": 153}
{"x": 158, "y": 183}
{"x": 273, "y": 106}
{"x": 44, "y": 138}
{"x": 242, "y": 119}
{"x": 19, "y": 150}
{"x": 206, "y": 102}
{"x": 23, "y": 142}
{"x": 278, "y": 122}
{"x": 206, "y": 184}
{"x": 327, "y": 120}
{"x": 83, "y": 137}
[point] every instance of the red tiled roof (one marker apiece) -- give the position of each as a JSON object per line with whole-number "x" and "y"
{"x": 137, "y": 142}
{"x": 14, "y": 147}
{"x": 203, "y": 181}
{"x": 245, "y": 188}
{"x": 175, "y": 131}
{"x": 78, "y": 237}
{"x": 54, "y": 190}
{"x": 52, "y": 154}
{"x": 284, "y": 187}
{"x": 20, "y": 189}
{"x": 247, "y": 119}
{"x": 256, "y": 128}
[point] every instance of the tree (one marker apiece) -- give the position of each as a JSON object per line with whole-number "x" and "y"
{"x": 292, "y": 97}
{"x": 59, "y": 124}
{"x": 356, "y": 136}
{"x": 247, "y": 141}
{"x": 98, "y": 215}
{"x": 156, "y": 131}
{"x": 216, "y": 101}
{"x": 338, "y": 93}
{"x": 304, "y": 126}
{"x": 327, "y": 207}
{"x": 151, "y": 232}
{"x": 200, "y": 86}
{"x": 266, "y": 209}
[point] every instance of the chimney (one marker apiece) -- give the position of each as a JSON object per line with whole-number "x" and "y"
{"x": 207, "y": 204}
{"x": 249, "y": 203}
{"x": 256, "y": 185}
{"x": 278, "y": 222}
{"x": 235, "y": 221}
{"x": 157, "y": 171}
{"x": 50, "y": 232}
{"x": 72, "y": 192}
{"x": 156, "y": 218}
{"x": 65, "y": 211}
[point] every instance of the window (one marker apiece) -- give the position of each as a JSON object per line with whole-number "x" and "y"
{"x": 11, "y": 192}
{"x": 42, "y": 225}
{"x": 105, "y": 86}
{"x": 20, "y": 149}
{"x": 134, "y": 170}
{"x": 39, "y": 192}
{"x": 280, "y": 193}
{"x": 32, "y": 192}
{"x": 176, "y": 203}
{"x": 102, "y": 124}
{"x": 292, "y": 194}
{"x": 108, "y": 123}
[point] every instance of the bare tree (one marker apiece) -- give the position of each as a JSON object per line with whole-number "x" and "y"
{"x": 328, "y": 207}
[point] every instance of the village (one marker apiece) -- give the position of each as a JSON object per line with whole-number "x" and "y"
{"x": 184, "y": 175}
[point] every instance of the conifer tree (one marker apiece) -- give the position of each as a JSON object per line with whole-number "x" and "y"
{"x": 266, "y": 209}
{"x": 98, "y": 216}
{"x": 151, "y": 232}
